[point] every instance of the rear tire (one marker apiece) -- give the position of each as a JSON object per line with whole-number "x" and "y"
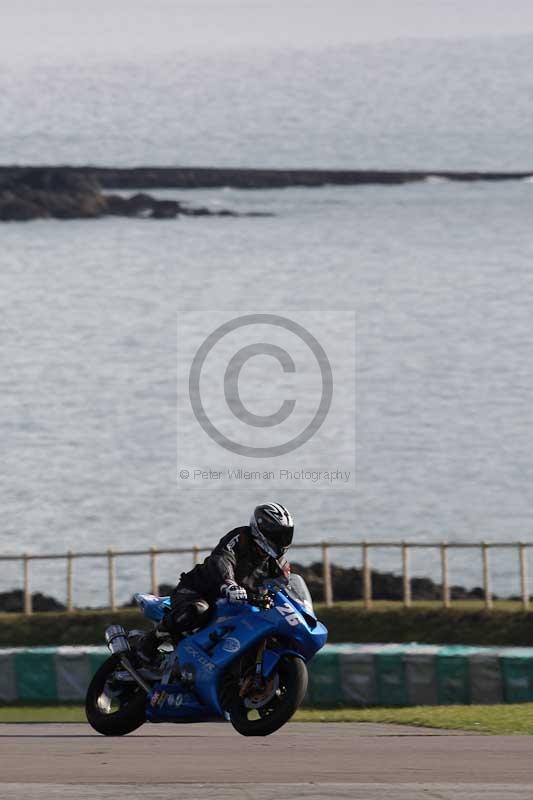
{"x": 131, "y": 711}
{"x": 292, "y": 687}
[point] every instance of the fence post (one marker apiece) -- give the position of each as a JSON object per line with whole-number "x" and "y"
{"x": 195, "y": 555}
{"x": 70, "y": 603}
{"x": 111, "y": 579}
{"x": 445, "y": 575}
{"x": 27, "y": 594}
{"x": 524, "y": 588}
{"x": 328, "y": 586}
{"x": 367, "y": 578}
{"x": 406, "y": 576}
{"x": 486, "y": 576}
{"x": 153, "y": 571}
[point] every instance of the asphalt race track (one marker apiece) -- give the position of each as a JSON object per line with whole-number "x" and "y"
{"x": 212, "y": 762}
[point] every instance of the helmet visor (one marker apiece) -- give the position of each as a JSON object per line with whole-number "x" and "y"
{"x": 285, "y": 538}
{"x": 266, "y": 546}
{"x": 279, "y": 542}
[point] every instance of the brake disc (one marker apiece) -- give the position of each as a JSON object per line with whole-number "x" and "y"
{"x": 259, "y": 698}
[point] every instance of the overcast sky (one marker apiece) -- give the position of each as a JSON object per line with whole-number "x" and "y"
{"x": 117, "y": 28}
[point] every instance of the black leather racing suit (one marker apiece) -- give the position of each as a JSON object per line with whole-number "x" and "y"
{"x": 236, "y": 558}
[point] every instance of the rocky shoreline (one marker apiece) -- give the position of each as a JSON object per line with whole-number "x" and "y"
{"x": 244, "y": 178}
{"x": 347, "y": 585}
{"x": 72, "y": 194}
{"x": 66, "y": 192}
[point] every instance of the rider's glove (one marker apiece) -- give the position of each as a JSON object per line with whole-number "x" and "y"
{"x": 233, "y": 593}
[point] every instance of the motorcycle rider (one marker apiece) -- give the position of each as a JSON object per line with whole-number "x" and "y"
{"x": 241, "y": 560}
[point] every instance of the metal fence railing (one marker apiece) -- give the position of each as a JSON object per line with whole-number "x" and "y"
{"x": 443, "y": 548}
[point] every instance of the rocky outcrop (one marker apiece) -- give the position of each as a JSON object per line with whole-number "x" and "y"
{"x": 76, "y": 192}
{"x": 144, "y": 205}
{"x": 67, "y": 194}
{"x": 348, "y": 585}
{"x": 13, "y": 601}
{"x": 44, "y": 193}
{"x": 244, "y": 178}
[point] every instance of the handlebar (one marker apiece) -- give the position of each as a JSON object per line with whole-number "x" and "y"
{"x": 263, "y": 599}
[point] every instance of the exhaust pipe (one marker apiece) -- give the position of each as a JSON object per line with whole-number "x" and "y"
{"x": 116, "y": 639}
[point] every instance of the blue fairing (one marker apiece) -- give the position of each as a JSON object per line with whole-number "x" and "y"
{"x": 153, "y": 607}
{"x": 234, "y": 629}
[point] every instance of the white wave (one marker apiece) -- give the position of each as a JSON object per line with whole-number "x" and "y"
{"x": 436, "y": 179}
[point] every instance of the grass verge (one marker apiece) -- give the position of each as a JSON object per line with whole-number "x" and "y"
{"x": 494, "y": 719}
{"x": 35, "y": 713}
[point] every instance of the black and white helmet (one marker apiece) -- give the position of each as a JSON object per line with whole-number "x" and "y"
{"x": 272, "y": 528}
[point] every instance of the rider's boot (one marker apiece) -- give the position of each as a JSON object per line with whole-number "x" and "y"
{"x": 174, "y": 625}
{"x": 149, "y": 644}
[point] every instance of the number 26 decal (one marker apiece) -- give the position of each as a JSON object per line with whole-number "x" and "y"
{"x": 287, "y": 611}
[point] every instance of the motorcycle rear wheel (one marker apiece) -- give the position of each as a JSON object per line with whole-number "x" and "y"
{"x": 131, "y": 711}
{"x": 273, "y": 715}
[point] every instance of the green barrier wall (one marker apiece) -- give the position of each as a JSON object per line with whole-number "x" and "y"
{"x": 391, "y": 679}
{"x": 345, "y": 674}
{"x": 453, "y": 683}
{"x": 36, "y": 675}
{"x": 325, "y": 685}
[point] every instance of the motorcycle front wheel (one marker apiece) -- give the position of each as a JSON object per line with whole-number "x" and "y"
{"x": 114, "y": 708}
{"x": 266, "y": 719}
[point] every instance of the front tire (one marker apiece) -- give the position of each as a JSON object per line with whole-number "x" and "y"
{"x": 293, "y": 678}
{"x": 129, "y": 700}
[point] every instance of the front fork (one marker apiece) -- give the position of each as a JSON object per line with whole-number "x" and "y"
{"x": 256, "y": 681}
{"x": 259, "y": 664}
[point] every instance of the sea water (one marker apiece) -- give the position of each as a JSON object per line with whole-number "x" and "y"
{"x": 438, "y": 275}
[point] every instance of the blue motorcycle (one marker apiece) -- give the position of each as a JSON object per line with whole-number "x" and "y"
{"x": 246, "y": 666}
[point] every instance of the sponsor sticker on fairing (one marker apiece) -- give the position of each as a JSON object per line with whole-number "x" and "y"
{"x": 231, "y": 645}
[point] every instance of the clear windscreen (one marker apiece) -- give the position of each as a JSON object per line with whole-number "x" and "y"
{"x": 297, "y": 589}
